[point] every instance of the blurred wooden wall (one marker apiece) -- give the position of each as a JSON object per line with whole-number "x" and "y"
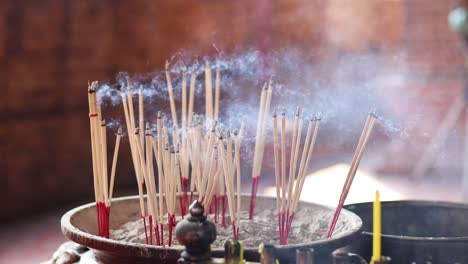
{"x": 50, "y": 49}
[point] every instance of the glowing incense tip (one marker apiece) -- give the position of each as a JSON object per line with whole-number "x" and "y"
{"x": 92, "y": 87}
{"x": 298, "y": 111}
{"x": 129, "y": 85}
{"x": 318, "y": 116}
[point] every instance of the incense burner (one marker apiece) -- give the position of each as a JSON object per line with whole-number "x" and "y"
{"x": 416, "y": 231}
{"x": 79, "y": 225}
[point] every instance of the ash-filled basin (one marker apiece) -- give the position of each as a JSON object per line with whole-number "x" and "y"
{"x": 79, "y": 225}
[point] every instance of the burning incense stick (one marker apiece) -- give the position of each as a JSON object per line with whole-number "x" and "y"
{"x": 102, "y": 191}
{"x": 217, "y": 84}
{"x": 171, "y": 193}
{"x": 265, "y": 101}
{"x": 277, "y": 166}
{"x": 302, "y": 172}
{"x": 159, "y": 229}
{"x": 353, "y": 168}
{"x": 93, "y": 115}
{"x": 171, "y": 95}
{"x": 184, "y": 102}
{"x": 143, "y": 178}
{"x": 150, "y": 185}
{"x": 184, "y": 153}
{"x": 141, "y": 115}
{"x": 287, "y": 197}
{"x": 114, "y": 163}
{"x": 314, "y": 125}
{"x": 230, "y": 166}
{"x": 191, "y": 97}
{"x": 103, "y": 160}
{"x": 127, "y": 104}
{"x": 226, "y": 177}
{"x": 236, "y": 224}
{"x": 208, "y": 93}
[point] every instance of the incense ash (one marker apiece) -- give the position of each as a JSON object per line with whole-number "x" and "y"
{"x": 253, "y": 232}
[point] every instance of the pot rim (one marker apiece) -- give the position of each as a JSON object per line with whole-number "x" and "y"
{"x": 427, "y": 239}
{"x": 100, "y": 243}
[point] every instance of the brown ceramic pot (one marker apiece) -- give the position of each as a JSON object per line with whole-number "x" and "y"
{"x": 79, "y": 225}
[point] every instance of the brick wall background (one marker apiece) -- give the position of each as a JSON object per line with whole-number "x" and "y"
{"x": 49, "y": 50}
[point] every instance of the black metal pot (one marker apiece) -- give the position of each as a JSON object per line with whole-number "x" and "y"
{"x": 416, "y": 231}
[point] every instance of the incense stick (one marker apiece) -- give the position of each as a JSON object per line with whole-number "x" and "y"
{"x": 191, "y": 97}
{"x": 308, "y": 158}
{"x": 353, "y": 169}
{"x": 141, "y": 115}
{"x": 127, "y": 104}
{"x": 102, "y": 190}
{"x": 265, "y": 100}
{"x": 171, "y": 95}
{"x": 238, "y": 179}
{"x": 208, "y": 93}
{"x": 114, "y": 163}
{"x": 217, "y": 84}
{"x": 277, "y": 168}
{"x": 150, "y": 184}
{"x": 184, "y": 102}
{"x": 287, "y": 196}
{"x": 282, "y": 213}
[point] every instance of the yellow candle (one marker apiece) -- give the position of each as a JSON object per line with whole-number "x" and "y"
{"x": 377, "y": 226}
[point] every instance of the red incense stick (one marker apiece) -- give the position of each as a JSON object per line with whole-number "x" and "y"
{"x": 223, "y": 203}
{"x": 146, "y": 232}
{"x": 185, "y": 187}
{"x": 215, "y": 199}
{"x": 253, "y": 195}
{"x": 353, "y": 169}
{"x": 265, "y": 100}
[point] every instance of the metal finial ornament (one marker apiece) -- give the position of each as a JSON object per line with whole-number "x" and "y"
{"x": 197, "y": 234}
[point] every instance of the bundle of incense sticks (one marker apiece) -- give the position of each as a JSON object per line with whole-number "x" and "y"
{"x": 136, "y": 144}
{"x": 143, "y": 146}
{"x": 232, "y": 179}
{"x": 102, "y": 191}
{"x": 187, "y": 111}
{"x": 265, "y": 101}
{"x": 287, "y": 196}
{"x": 144, "y": 150}
{"x": 200, "y": 148}
{"x": 189, "y": 158}
{"x": 206, "y": 168}
{"x": 366, "y": 131}
{"x": 169, "y": 182}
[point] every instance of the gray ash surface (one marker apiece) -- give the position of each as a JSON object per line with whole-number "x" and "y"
{"x": 308, "y": 225}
